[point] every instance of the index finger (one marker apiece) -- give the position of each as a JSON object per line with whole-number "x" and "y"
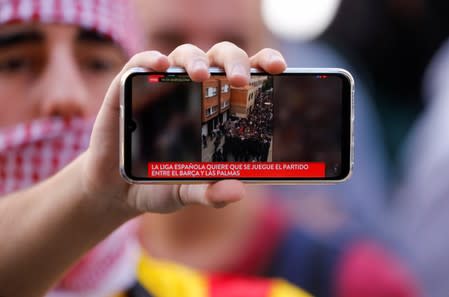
{"x": 193, "y": 59}
{"x": 107, "y": 121}
{"x": 233, "y": 59}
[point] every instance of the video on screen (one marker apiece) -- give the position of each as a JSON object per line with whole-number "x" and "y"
{"x": 278, "y": 127}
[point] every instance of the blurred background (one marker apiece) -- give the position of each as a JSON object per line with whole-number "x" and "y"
{"x": 390, "y": 43}
{"x": 398, "y": 52}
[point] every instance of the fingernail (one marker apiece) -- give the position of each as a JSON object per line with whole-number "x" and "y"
{"x": 276, "y": 59}
{"x": 239, "y": 70}
{"x": 199, "y": 65}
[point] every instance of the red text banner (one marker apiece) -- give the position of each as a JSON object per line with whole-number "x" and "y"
{"x": 180, "y": 170}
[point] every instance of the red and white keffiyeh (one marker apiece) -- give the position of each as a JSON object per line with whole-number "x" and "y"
{"x": 34, "y": 151}
{"x": 31, "y": 152}
{"x": 114, "y": 18}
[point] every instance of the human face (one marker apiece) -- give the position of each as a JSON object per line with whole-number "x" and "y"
{"x": 53, "y": 70}
{"x": 203, "y": 23}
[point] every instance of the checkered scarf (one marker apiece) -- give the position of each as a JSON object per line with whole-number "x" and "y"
{"x": 113, "y": 18}
{"x": 32, "y": 152}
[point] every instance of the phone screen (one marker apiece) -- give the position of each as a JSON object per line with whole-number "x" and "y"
{"x": 292, "y": 126}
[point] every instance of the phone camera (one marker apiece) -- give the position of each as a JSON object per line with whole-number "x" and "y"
{"x": 132, "y": 126}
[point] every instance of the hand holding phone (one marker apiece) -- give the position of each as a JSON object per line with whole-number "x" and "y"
{"x": 287, "y": 128}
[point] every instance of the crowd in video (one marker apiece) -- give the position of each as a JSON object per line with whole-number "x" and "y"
{"x": 244, "y": 139}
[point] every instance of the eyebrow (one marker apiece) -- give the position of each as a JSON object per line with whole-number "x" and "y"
{"x": 22, "y": 37}
{"x": 94, "y": 36}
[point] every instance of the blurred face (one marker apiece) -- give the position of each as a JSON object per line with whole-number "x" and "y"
{"x": 203, "y": 23}
{"x": 53, "y": 70}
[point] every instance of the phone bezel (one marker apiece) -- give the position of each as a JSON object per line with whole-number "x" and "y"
{"x": 348, "y": 91}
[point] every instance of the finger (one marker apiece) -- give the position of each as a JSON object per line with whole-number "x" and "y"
{"x": 152, "y": 60}
{"x": 233, "y": 59}
{"x": 193, "y": 59}
{"x": 216, "y": 195}
{"x": 269, "y": 60}
{"x": 108, "y": 118}
{"x": 165, "y": 198}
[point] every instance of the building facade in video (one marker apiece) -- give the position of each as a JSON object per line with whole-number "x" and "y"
{"x": 237, "y": 123}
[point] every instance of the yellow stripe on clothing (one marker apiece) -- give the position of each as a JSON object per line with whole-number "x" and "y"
{"x": 165, "y": 279}
{"x": 281, "y": 288}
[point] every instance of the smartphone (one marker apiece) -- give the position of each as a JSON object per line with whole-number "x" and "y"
{"x": 293, "y": 127}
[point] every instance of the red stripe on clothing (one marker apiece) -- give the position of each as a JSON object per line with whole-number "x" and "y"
{"x": 368, "y": 270}
{"x": 232, "y": 286}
